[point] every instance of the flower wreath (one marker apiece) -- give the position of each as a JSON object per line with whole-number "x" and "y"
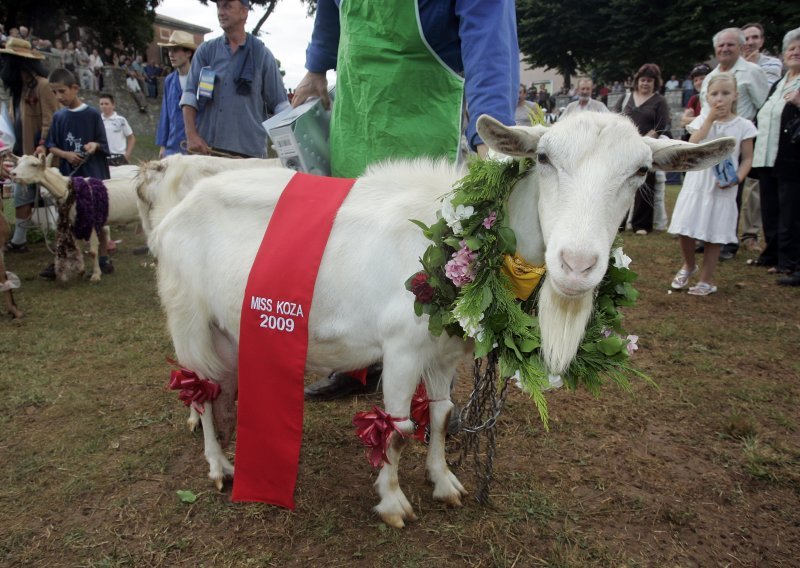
{"x": 468, "y": 288}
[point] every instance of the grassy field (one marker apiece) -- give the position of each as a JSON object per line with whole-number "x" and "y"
{"x": 703, "y": 470}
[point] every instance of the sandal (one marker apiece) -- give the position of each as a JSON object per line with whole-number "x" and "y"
{"x": 702, "y": 289}
{"x": 681, "y": 279}
{"x": 777, "y": 270}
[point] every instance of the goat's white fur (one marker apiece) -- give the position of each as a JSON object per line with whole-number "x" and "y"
{"x": 361, "y": 312}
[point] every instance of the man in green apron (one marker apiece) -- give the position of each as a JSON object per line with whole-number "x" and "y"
{"x": 404, "y": 73}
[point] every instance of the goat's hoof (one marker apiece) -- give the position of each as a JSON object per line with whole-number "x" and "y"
{"x": 193, "y": 421}
{"x": 95, "y": 278}
{"x": 452, "y": 500}
{"x": 218, "y": 483}
{"x": 393, "y": 520}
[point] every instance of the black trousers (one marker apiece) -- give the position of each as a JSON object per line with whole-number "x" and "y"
{"x": 789, "y": 224}
{"x": 770, "y": 217}
{"x": 642, "y": 217}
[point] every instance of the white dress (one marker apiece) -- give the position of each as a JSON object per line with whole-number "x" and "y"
{"x": 703, "y": 210}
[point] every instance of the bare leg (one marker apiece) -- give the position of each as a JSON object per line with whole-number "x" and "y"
{"x": 687, "y": 250}
{"x": 710, "y": 261}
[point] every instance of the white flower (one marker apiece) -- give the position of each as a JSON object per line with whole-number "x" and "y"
{"x": 621, "y": 260}
{"x": 454, "y": 216}
{"x": 472, "y": 327}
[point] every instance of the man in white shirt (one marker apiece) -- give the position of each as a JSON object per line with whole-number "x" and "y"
{"x": 585, "y": 100}
{"x": 753, "y": 43}
{"x": 752, "y": 87}
{"x": 673, "y": 83}
{"x": 119, "y": 133}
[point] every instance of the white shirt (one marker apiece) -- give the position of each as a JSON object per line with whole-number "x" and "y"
{"x": 672, "y": 84}
{"x": 117, "y": 132}
{"x": 593, "y": 105}
{"x": 751, "y": 84}
{"x": 769, "y": 125}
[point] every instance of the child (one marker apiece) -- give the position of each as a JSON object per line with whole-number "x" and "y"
{"x": 77, "y": 135}
{"x": 78, "y": 138}
{"x": 706, "y": 207}
{"x": 118, "y": 132}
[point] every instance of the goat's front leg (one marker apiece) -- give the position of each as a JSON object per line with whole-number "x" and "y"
{"x": 400, "y": 376}
{"x": 446, "y": 486}
{"x": 219, "y": 466}
{"x": 94, "y": 245}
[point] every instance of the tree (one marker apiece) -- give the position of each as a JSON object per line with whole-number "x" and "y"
{"x": 129, "y": 21}
{"x": 611, "y": 38}
{"x": 269, "y": 7}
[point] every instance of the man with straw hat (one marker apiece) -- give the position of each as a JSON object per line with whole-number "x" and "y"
{"x": 171, "y": 131}
{"x": 33, "y": 105}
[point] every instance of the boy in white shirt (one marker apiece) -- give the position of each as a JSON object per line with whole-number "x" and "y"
{"x": 119, "y": 133}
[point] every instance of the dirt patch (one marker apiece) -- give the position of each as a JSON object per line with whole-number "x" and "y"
{"x": 702, "y": 470}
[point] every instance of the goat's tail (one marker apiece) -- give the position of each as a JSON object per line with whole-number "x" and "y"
{"x": 563, "y": 323}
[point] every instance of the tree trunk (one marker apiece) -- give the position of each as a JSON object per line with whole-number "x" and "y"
{"x": 270, "y": 8}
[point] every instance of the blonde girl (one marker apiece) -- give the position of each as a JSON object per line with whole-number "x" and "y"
{"x": 706, "y": 207}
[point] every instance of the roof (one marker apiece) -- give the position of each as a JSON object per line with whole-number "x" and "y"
{"x": 180, "y": 24}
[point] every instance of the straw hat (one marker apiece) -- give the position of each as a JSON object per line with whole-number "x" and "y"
{"x": 180, "y": 39}
{"x": 20, "y": 48}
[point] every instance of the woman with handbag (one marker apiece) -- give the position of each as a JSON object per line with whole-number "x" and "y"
{"x": 777, "y": 155}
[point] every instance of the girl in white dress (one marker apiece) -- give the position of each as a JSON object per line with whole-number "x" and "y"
{"x": 706, "y": 207}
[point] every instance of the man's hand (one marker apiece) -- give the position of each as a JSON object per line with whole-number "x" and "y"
{"x": 482, "y": 150}
{"x": 40, "y": 151}
{"x": 196, "y": 145}
{"x": 91, "y": 147}
{"x": 161, "y": 152}
{"x": 312, "y": 85}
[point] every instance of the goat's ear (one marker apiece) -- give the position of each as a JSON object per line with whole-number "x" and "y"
{"x": 678, "y": 156}
{"x": 512, "y": 141}
{"x": 48, "y": 161}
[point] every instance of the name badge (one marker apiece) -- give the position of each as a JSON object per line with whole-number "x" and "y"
{"x": 205, "y": 86}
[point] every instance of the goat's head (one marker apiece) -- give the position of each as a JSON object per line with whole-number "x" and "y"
{"x": 588, "y": 169}
{"x": 148, "y": 178}
{"x": 29, "y": 169}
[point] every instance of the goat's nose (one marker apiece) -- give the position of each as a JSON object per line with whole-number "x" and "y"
{"x": 577, "y": 263}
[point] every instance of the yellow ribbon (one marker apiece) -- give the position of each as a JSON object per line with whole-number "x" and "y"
{"x": 524, "y": 277}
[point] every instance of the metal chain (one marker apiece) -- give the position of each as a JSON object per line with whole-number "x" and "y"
{"x": 478, "y": 420}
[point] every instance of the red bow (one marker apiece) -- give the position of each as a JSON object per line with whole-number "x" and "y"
{"x": 194, "y": 390}
{"x": 420, "y": 412}
{"x": 374, "y": 429}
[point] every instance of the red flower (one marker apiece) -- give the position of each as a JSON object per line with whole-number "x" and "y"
{"x": 374, "y": 429}
{"x": 420, "y": 412}
{"x": 421, "y": 289}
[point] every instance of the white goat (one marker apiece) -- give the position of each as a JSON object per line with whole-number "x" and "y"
{"x": 122, "y": 202}
{"x": 162, "y": 184}
{"x": 589, "y": 168}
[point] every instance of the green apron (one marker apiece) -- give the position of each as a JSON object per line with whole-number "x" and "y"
{"x": 394, "y": 96}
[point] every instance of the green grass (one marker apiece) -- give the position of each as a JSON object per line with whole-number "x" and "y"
{"x": 93, "y": 447}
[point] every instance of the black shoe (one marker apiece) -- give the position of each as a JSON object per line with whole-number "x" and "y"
{"x": 49, "y": 273}
{"x": 341, "y": 385}
{"x": 726, "y": 255}
{"x": 141, "y": 250}
{"x": 792, "y": 279}
{"x": 107, "y": 267}
{"x": 13, "y": 247}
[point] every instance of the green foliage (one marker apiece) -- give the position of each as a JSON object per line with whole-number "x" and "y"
{"x": 486, "y": 310}
{"x": 129, "y": 22}
{"x": 186, "y": 496}
{"x": 611, "y": 38}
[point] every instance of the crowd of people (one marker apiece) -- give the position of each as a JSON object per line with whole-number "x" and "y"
{"x": 217, "y": 95}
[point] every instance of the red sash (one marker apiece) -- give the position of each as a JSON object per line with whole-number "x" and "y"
{"x": 273, "y": 339}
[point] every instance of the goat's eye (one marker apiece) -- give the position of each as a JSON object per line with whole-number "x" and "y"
{"x": 642, "y": 171}
{"x": 542, "y": 158}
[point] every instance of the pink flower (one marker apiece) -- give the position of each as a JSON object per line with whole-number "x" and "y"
{"x": 606, "y": 332}
{"x": 489, "y": 221}
{"x": 461, "y": 268}
{"x": 631, "y": 346}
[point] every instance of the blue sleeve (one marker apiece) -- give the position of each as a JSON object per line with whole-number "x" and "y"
{"x": 53, "y": 134}
{"x": 321, "y": 52}
{"x": 162, "y": 131}
{"x": 490, "y": 53}
{"x": 189, "y": 95}
{"x": 273, "y": 90}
